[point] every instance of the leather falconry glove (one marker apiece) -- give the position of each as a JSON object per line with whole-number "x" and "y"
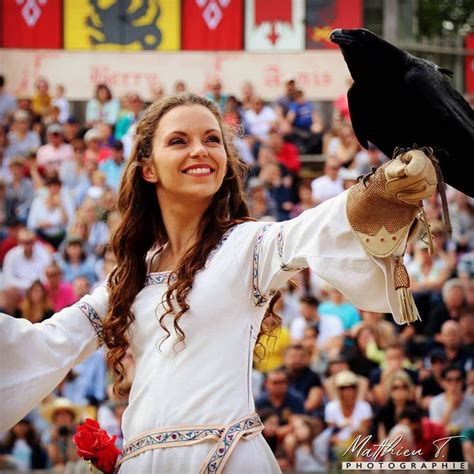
{"x": 382, "y": 209}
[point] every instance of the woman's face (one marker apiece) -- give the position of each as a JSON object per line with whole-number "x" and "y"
{"x": 37, "y": 293}
{"x": 189, "y": 161}
{"x": 74, "y": 251}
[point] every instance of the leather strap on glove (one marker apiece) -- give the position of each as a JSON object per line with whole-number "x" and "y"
{"x": 382, "y": 208}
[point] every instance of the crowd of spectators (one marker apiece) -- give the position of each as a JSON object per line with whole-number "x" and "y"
{"x": 330, "y": 373}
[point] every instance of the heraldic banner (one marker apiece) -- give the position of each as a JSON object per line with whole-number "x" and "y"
{"x": 272, "y": 25}
{"x": 31, "y": 24}
{"x": 323, "y": 16}
{"x": 212, "y": 25}
{"x": 117, "y": 25}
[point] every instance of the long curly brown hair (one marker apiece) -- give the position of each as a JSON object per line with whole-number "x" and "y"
{"x": 141, "y": 228}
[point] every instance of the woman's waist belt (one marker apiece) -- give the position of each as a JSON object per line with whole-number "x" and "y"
{"x": 227, "y": 437}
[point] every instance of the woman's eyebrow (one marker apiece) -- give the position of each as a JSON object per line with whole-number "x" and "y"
{"x": 184, "y": 134}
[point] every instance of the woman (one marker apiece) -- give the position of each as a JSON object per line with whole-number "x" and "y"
{"x": 185, "y": 245}
{"x": 36, "y": 306}
{"x": 75, "y": 261}
{"x": 102, "y": 108}
{"x": 401, "y": 390}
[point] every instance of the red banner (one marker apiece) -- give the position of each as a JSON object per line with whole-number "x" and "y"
{"x": 271, "y": 11}
{"x": 470, "y": 64}
{"x": 31, "y": 24}
{"x": 323, "y": 16}
{"x": 212, "y": 25}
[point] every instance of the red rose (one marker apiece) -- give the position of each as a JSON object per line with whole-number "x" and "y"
{"x": 95, "y": 445}
{"x": 108, "y": 456}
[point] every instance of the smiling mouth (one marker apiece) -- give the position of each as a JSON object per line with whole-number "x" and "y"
{"x": 202, "y": 171}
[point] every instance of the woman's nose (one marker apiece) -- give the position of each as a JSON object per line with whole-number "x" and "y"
{"x": 198, "y": 150}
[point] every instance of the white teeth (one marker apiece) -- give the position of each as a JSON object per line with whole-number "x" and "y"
{"x": 198, "y": 171}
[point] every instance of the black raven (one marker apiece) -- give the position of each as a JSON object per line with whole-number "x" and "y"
{"x": 398, "y": 100}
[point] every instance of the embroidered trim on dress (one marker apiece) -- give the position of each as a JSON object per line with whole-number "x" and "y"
{"x": 159, "y": 278}
{"x": 280, "y": 245}
{"x": 259, "y": 299}
{"x": 93, "y": 318}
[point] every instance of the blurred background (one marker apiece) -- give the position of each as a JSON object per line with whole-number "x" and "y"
{"x": 76, "y": 76}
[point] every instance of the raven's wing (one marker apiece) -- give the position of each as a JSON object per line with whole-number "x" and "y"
{"x": 357, "y": 108}
{"x": 442, "y": 98}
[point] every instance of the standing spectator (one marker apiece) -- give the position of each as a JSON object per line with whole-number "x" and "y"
{"x": 36, "y": 305}
{"x": 55, "y": 152}
{"x": 60, "y": 292}
{"x": 102, "y": 108}
{"x": 20, "y": 191}
{"x": 26, "y": 262}
{"x": 7, "y": 103}
{"x": 62, "y": 103}
{"x": 329, "y": 185}
{"x": 113, "y": 167}
{"x": 131, "y": 116}
{"x": 41, "y": 99}
{"x": 49, "y": 215}
{"x": 21, "y": 140}
{"x": 22, "y": 443}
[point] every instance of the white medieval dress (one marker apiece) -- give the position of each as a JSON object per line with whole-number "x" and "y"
{"x": 208, "y": 382}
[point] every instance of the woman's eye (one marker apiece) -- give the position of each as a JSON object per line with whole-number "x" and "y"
{"x": 176, "y": 141}
{"x": 214, "y": 138}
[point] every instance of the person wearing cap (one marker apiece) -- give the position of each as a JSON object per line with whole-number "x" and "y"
{"x": 55, "y": 152}
{"x": 21, "y": 139}
{"x": 347, "y": 416}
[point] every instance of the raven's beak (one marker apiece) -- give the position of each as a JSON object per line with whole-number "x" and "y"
{"x": 341, "y": 37}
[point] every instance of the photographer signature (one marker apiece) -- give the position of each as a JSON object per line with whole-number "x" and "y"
{"x": 359, "y": 447}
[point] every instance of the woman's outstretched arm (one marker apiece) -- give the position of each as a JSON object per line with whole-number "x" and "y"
{"x": 36, "y": 357}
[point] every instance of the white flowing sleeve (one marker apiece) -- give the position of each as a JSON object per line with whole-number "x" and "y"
{"x": 322, "y": 239}
{"x": 36, "y": 357}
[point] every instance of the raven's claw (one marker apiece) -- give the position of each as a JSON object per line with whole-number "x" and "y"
{"x": 365, "y": 177}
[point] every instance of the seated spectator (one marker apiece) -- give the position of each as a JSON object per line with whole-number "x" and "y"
{"x": 105, "y": 265}
{"x": 22, "y": 443}
{"x": 365, "y": 160}
{"x": 286, "y": 153}
{"x": 81, "y": 286}
{"x": 302, "y": 379}
{"x": 72, "y": 130}
{"x": 308, "y": 309}
{"x": 453, "y": 409}
{"x": 233, "y": 115}
{"x": 260, "y": 119}
{"x": 431, "y": 385}
{"x": 317, "y": 358}
{"x": 347, "y": 416}
{"x": 216, "y": 95}
{"x": 450, "y": 340}
{"x": 402, "y": 436}
{"x": 261, "y": 204}
{"x": 357, "y": 354}
{"x": 50, "y": 215}
{"x": 282, "y": 104}
{"x": 10, "y": 237}
{"x": 305, "y": 197}
{"x": 55, "y": 152}
{"x": 63, "y": 417}
{"x": 280, "y": 398}
{"x": 97, "y": 236}
{"x": 426, "y": 433}
{"x": 61, "y": 102}
{"x": 338, "y": 364}
{"x": 7, "y": 103}
{"x": 338, "y": 306}
{"x": 26, "y": 262}
{"x": 462, "y": 220}
{"x": 41, "y": 102}
{"x": 271, "y": 424}
{"x": 305, "y": 125}
{"x": 59, "y": 292}
{"x": 75, "y": 261}
{"x": 21, "y": 139}
{"x": 20, "y": 190}
{"x": 36, "y": 305}
{"x": 344, "y": 147}
{"x": 6, "y": 209}
{"x": 247, "y": 94}
{"x": 270, "y": 350}
{"x": 450, "y": 308}
{"x": 401, "y": 394}
{"x": 102, "y": 108}
{"x": 113, "y": 166}
{"x": 329, "y": 185}
{"x": 133, "y": 113}
{"x": 384, "y": 331}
